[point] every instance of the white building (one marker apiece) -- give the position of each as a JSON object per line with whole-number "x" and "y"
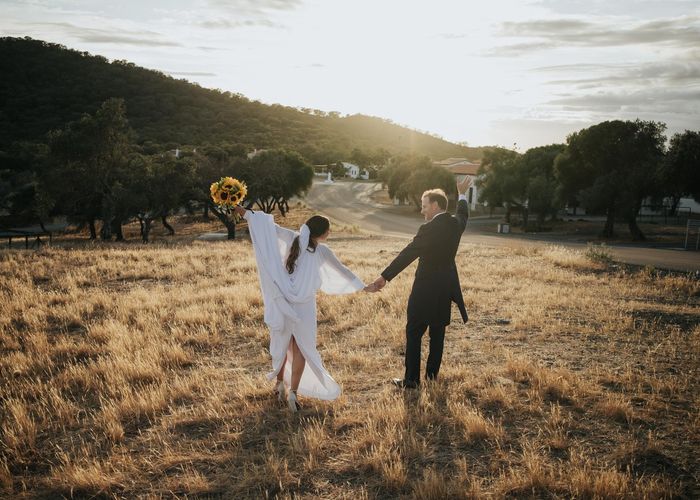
{"x": 351, "y": 170}
{"x": 460, "y": 168}
{"x": 255, "y": 153}
{"x": 685, "y": 207}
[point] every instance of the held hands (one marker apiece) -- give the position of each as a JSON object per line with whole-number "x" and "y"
{"x": 239, "y": 210}
{"x": 376, "y": 286}
{"x": 463, "y": 186}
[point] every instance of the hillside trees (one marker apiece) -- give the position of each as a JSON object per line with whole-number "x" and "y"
{"x": 164, "y": 185}
{"x": 90, "y": 158}
{"x": 423, "y": 179}
{"x": 400, "y": 168}
{"x": 96, "y": 174}
{"x": 537, "y": 172}
{"x": 681, "y": 170}
{"x": 210, "y": 164}
{"x": 44, "y": 86}
{"x": 92, "y": 171}
{"x": 23, "y": 170}
{"x": 274, "y": 177}
{"x": 500, "y": 181}
{"x": 615, "y": 166}
{"x": 408, "y": 177}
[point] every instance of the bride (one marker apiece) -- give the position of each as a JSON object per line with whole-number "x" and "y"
{"x": 292, "y": 267}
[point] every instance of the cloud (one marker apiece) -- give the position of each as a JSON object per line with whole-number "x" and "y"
{"x": 670, "y": 73}
{"x": 229, "y": 24}
{"x": 654, "y": 100}
{"x": 111, "y": 36}
{"x": 253, "y": 7}
{"x": 640, "y": 8}
{"x": 519, "y": 49}
{"x": 234, "y": 14}
{"x": 125, "y": 40}
{"x": 568, "y": 68}
{"x": 683, "y": 32}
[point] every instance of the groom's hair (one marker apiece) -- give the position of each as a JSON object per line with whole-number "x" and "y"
{"x": 436, "y": 195}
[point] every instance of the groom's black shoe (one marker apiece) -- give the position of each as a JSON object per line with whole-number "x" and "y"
{"x": 404, "y": 384}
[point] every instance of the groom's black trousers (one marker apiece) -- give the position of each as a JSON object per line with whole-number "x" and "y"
{"x": 414, "y": 333}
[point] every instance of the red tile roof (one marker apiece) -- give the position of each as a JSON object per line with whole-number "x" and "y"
{"x": 459, "y": 165}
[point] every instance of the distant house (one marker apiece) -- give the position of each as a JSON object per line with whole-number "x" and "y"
{"x": 255, "y": 153}
{"x": 689, "y": 204}
{"x": 351, "y": 170}
{"x": 461, "y": 167}
{"x": 686, "y": 206}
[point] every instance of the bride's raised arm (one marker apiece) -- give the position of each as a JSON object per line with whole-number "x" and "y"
{"x": 286, "y": 236}
{"x": 335, "y": 277}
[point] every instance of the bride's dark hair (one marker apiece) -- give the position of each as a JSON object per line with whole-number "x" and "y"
{"x": 318, "y": 226}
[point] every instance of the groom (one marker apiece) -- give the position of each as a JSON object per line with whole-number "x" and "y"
{"x": 436, "y": 284}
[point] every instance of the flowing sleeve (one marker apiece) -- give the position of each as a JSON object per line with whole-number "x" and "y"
{"x": 266, "y": 244}
{"x": 284, "y": 236}
{"x": 284, "y": 239}
{"x": 336, "y": 279}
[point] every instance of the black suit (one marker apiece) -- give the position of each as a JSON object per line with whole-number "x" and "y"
{"x": 435, "y": 287}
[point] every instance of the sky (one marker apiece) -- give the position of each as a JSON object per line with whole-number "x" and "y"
{"x": 512, "y": 73}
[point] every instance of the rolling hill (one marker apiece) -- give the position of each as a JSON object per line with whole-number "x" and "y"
{"x": 46, "y": 85}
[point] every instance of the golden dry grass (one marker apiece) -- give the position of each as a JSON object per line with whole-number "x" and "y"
{"x": 131, "y": 370}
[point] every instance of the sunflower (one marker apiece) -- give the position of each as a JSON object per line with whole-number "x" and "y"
{"x": 228, "y": 183}
{"x": 228, "y": 192}
{"x": 239, "y": 188}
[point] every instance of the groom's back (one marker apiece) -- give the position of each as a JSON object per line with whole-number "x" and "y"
{"x": 443, "y": 234}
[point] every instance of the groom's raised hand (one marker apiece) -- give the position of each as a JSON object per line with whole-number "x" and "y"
{"x": 463, "y": 186}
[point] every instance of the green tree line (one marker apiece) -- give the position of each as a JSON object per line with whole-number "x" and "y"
{"x": 91, "y": 171}
{"x": 610, "y": 168}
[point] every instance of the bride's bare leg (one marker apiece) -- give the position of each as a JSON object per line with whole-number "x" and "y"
{"x": 280, "y": 374}
{"x": 279, "y": 384}
{"x": 298, "y": 364}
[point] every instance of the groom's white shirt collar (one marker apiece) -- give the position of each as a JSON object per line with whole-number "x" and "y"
{"x": 461, "y": 197}
{"x": 437, "y": 215}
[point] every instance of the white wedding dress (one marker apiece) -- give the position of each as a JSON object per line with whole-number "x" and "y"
{"x": 290, "y": 299}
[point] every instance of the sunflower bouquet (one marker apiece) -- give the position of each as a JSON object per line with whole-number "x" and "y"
{"x": 227, "y": 193}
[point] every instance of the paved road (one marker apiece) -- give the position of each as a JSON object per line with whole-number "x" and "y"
{"x": 350, "y": 203}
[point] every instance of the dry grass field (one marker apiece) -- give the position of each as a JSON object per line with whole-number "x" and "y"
{"x": 132, "y": 370}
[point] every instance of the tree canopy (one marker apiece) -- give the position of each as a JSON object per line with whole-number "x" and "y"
{"x": 681, "y": 170}
{"x": 500, "y": 181}
{"x": 614, "y": 166}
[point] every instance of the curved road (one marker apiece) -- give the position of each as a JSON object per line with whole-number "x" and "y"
{"x": 350, "y": 203}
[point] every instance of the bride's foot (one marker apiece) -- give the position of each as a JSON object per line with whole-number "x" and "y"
{"x": 279, "y": 388}
{"x": 292, "y": 401}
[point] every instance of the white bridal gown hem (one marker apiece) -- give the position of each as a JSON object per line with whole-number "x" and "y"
{"x": 290, "y": 300}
